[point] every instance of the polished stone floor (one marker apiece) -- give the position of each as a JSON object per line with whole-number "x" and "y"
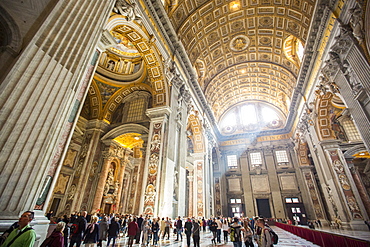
{"x": 285, "y": 239}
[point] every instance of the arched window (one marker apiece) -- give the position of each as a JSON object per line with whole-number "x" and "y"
{"x": 251, "y": 117}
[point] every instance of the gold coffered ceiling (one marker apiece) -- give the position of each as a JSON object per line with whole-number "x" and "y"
{"x": 238, "y": 48}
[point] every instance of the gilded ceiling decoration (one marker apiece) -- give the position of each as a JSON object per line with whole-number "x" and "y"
{"x": 239, "y": 48}
{"x": 130, "y": 140}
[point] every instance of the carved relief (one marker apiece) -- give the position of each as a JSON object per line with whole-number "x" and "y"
{"x": 314, "y": 195}
{"x": 61, "y": 184}
{"x": 150, "y": 190}
{"x": 339, "y": 169}
{"x": 217, "y": 196}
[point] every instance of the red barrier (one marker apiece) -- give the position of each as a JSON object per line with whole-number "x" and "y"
{"x": 323, "y": 239}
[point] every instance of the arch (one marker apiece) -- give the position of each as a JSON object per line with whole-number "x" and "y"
{"x": 144, "y": 43}
{"x": 119, "y": 96}
{"x": 323, "y": 120}
{"x": 126, "y": 128}
{"x": 12, "y": 38}
{"x": 197, "y": 133}
{"x": 351, "y": 152}
{"x": 95, "y": 100}
{"x": 292, "y": 48}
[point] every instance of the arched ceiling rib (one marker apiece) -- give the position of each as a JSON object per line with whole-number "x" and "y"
{"x": 242, "y": 49}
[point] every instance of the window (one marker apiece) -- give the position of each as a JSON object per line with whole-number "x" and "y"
{"x": 248, "y": 114}
{"x": 235, "y": 209}
{"x": 256, "y": 159}
{"x": 292, "y": 200}
{"x": 296, "y": 210}
{"x": 236, "y": 200}
{"x": 282, "y": 157}
{"x": 232, "y": 161}
{"x": 351, "y": 130}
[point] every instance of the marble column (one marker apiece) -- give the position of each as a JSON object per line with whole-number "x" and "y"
{"x": 89, "y": 148}
{"x": 361, "y": 190}
{"x": 191, "y": 193}
{"x": 199, "y": 184}
{"x": 153, "y": 161}
{"x": 277, "y": 208}
{"x": 102, "y": 178}
{"x": 40, "y": 95}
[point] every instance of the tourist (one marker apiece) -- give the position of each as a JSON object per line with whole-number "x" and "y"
{"x": 91, "y": 236}
{"x": 24, "y": 235}
{"x": 132, "y": 230}
{"x": 113, "y": 231}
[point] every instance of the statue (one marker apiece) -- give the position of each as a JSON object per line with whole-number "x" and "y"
{"x": 127, "y": 10}
{"x": 357, "y": 23}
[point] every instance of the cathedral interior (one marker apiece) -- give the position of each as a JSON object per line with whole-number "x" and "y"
{"x": 186, "y": 107}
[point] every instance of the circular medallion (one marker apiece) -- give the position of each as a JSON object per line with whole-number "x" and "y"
{"x": 239, "y": 43}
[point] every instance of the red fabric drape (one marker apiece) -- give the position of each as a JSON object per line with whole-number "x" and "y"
{"x": 323, "y": 239}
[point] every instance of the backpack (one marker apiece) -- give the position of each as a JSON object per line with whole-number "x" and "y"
{"x": 274, "y": 236}
{"x": 234, "y": 234}
{"x": 74, "y": 229}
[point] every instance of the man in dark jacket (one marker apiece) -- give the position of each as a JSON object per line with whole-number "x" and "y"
{"x": 113, "y": 230}
{"x": 188, "y": 226}
{"x": 139, "y": 223}
{"x": 76, "y": 237}
{"x": 178, "y": 228}
{"x": 213, "y": 229}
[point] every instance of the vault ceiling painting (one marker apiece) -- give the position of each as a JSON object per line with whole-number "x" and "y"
{"x": 246, "y": 50}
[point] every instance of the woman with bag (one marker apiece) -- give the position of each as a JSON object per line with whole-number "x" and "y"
{"x": 91, "y": 236}
{"x": 56, "y": 238}
{"x": 247, "y": 234}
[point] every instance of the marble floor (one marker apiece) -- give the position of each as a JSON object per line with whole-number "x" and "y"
{"x": 285, "y": 239}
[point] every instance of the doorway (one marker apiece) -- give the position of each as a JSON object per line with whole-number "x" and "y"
{"x": 107, "y": 208}
{"x": 263, "y": 207}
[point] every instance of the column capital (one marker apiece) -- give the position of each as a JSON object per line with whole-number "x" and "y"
{"x": 158, "y": 112}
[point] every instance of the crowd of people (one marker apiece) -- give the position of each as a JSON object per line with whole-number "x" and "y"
{"x": 96, "y": 230}
{"x": 147, "y": 230}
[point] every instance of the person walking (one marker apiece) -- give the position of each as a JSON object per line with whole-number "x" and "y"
{"x": 219, "y": 227}
{"x": 196, "y": 233}
{"x": 178, "y": 225}
{"x": 225, "y": 229}
{"x": 155, "y": 230}
{"x": 103, "y": 231}
{"x": 167, "y": 228}
{"x": 188, "y": 227}
{"x": 78, "y": 229}
{"x": 91, "y": 236}
{"x": 145, "y": 229}
{"x": 56, "y": 238}
{"x": 213, "y": 229}
{"x": 132, "y": 230}
{"x": 247, "y": 234}
{"x": 265, "y": 239}
{"x": 236, "y": 233}
{"x": 113, "y": 231}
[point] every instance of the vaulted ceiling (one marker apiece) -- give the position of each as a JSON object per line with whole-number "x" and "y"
{"x": 242, "y": 49}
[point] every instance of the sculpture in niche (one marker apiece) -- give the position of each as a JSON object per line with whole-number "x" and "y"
{"x": 331, "y": 200}
{"x": 352, "y": 78}
{"x": 110, "y": 65}
{"x": 71, "y": 192}
{"x": 337, "y": 128}
{"x": 127, "y": 10}
{"x": 331, "y": 65}
{"x": 156, "y": 142}
{"x": 357, "y": 23}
